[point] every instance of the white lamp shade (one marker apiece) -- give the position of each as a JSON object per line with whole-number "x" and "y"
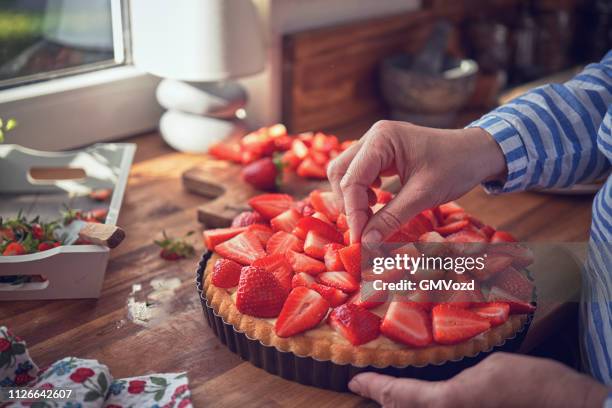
{"x": 197, "y": 40}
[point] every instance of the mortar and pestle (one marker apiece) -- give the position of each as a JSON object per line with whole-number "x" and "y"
{"x": 428, "y": 88}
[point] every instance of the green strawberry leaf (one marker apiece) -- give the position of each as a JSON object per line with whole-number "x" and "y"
{"x": 159, "y": 381}
{"x": 92, "y": 396}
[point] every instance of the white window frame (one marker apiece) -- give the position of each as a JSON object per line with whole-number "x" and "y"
{"x": 80, "y": 109}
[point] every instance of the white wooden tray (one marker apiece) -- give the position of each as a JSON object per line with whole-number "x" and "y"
{"x": 71, "y": 271}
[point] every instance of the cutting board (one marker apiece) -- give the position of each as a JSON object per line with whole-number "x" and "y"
{"x": 221, "y": 181}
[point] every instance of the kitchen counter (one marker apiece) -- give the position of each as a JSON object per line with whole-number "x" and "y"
{"x": 149, "y": 318}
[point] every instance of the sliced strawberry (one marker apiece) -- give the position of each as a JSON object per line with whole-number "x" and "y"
{"x": 382, "y": 196}
{"x": 522, "y": 256}
{"x": 290, "y": 161}
{"x": 354, "y": 323}
{"x": 513, "y": 282}
{"x": 259, "y": 293}
{"x": 517, "y": 306}
{"x": 214, "y": 237}
{"x": 302, "y": 279}
{"x": 322, "y": 217}
{"x": 309, "y": 168}
{"x": 346, "y": 237}
{"x": 497, "y": 313}
{"x": 342, "y": 222}
{"x": 466, "y": 242}
{"x": 303, "y": 310}
{"x": 431, "y": 217}
{"x": 494, "y": 263}
{"x": 243, "y": 248}
{"x": 323, "y": 229}
{"x": 452, "y": 228}
{"x": 323, "y": 201}
{"x": 487, "y": 231}
{"x": 314, "y": 245}
{"x": 247, "y": 218}
{"x": 14, "y": 248}
{"x": 455, "y": 217}
{"x": 282, "y": 242}
{"x": 408, "y": 324}
{"x": 286, "y": 221}
{"x": 452, "y": 325}
{"x": 431, "y": 243}
{"x": 335, "y": 297}
{"x": 304, "y": 263}
{"x": 417, "y": 226}
{"x": 279, "y": 266}
{"x": 341, "y": 280}
{"x": 262, "y": 231}
{"x": 271, "y": 205}
{"x": 502, "y": 236}
{"x": 325, "y": 143}
{"x": 226, "y": 273}
{"x": 447, "y": 209}
{"x": 299, "y": 149}
{"x": 332, "y": 258}
{"x": 350, "y": 257}
{"x": 368, "y": 297}
{"x": 226, "y": 151}
{"x": 418, "y": 297}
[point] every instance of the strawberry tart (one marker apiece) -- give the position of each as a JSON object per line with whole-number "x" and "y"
{"x": 286, "y": 276}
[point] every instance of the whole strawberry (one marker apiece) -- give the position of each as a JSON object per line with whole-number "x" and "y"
{"x": 263, "y": 174}
{"x": 259, "y": 294}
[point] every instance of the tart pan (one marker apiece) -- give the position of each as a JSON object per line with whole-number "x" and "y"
{"x": 326, "y": 374}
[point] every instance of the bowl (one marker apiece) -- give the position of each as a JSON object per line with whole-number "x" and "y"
{"x": 434, "y": 97}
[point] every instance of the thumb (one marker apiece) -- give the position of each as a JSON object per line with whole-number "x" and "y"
{"x": 390, "y": 391}
{"x": 405, "y": 205}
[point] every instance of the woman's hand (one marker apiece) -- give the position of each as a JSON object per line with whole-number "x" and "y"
{"x": 434, "y": 166}
{"x": 501, "y": 380}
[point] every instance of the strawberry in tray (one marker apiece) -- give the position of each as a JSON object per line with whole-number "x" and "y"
{"x": 284, "y": 273}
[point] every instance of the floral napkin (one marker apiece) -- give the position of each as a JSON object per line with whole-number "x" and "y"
{"x": 91, "y": 382}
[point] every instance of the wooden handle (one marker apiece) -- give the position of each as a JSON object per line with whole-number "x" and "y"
{"x": 102, "y": 234}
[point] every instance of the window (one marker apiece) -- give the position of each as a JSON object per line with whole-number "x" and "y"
{"x": 66, "y": 73}
{"x": 44, "y": 39}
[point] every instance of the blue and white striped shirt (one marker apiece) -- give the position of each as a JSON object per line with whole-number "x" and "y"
{"x": 554, "y": 136}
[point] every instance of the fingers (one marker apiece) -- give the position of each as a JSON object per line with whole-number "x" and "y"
{"x": 391, "y": 392}
{"x": 405, "y": 205}
{"x": 337, "y": 169}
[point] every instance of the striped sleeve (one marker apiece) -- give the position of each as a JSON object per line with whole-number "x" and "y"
{"x": 608, "y": 401}
{"x": 549, "y": 135}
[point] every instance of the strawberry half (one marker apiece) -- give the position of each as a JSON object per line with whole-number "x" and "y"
{"x": 324, "y": 201}
{"x": 226, "y": 151}
{"x": 309, "y": 168}
{"x": 332, "y": 258}
{"x": 368, "y": 297}
{"x": 314, "y": 245}
{"x": 263, "y": 232}
{"x": 243, "y": 248}
{"x": 302, "y": 279}
{"x": 335, "y": 297}
{"x": 341, "y": 280}
{"x": 322, "y": 228}
{"x": 304, "y": 263}
{"x": 517, "y": 306}
{"x": 214, "y": 237}
{"x": 494, "y": 263}
{"x": 286, "y": 221}
{"x": 408, "y": 324}
{"x": 350, "y": 257}
{"x": 453, "y": 227}
{"x": 513, "y": 282}
{"x": 271, "y": 205}
{"x": 226, "y": 273}
{"x": 452, "y": 325}
{"x": 259, "y": 293}
{"x": 282, "y": 242}
{"x": 355, "y": 323}
{"x": 303, "y": 310}
{"x": 279, "y": 266}
{"x": 502, "y": 236}
{"x": 496, "y": 312}
{"x": 247, "y": 218}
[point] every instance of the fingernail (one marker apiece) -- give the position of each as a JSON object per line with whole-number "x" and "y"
{"x": 354, "y": 386}
{"x": 372, "y": 238}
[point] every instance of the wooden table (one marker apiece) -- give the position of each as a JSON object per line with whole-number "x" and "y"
{"x": 176, "y": 338}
